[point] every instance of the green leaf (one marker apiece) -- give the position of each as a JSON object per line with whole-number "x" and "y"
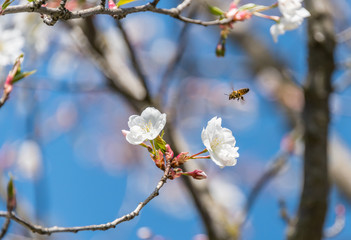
{"x": 160, "y": 143}
{"x": 252, "y": 7}
{"x": 20, "y": 75}
{"x": 6, "y": 4}
{"x": 215, "y": 10}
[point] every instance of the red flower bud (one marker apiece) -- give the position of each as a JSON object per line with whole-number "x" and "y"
{"x": 197, "y": 174}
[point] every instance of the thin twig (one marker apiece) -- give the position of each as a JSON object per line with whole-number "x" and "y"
{"x": 103, "y": 3}
{"x": 135, "y": 61}
{"x": 99, "y": 61}
{"x": 183, "y": 5}
{"x": 172, "y": 66}
{"x": 63, "y": 4}
{"x": 284, "y": 212}
{"x": 6, "y": 225}
{"x": 4, "y": 98}
{"x": 57, "y": 13}
{"x": 49, "y": 230}
{"x": 274, "y": 169}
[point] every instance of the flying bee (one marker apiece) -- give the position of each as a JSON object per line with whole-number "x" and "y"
{"x": 238, "y": 94}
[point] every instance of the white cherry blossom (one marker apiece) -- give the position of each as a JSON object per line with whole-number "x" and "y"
{"x": 293, "y": 16}
{"x": 220, "y": 143}
{"x": 147, "y": 126}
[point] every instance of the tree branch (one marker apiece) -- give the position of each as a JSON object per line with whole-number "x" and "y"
{"x": 6, "y": 225}
{"x": 314, "y": 199}
{"x": 135, "y": 61}
{"x": 4, "y": 98}
{"x": 271, "y": 172}
{"x": 118, "y": 13}
{"x": 49, "y": 230}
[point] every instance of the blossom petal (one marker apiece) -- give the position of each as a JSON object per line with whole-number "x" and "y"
{"x": 220, "y": 143}
{"x": 147, "y": 126}
{"x": 293, "y": 16}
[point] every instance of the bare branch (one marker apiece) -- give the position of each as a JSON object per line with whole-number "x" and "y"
{"x": 49, "y": 230}
{"x": 4, "y": 98}
{"x": 135, "y": 61}
{"x": 268, "y": 175}
{"x": 172, "y": 65}
{"x": 59, "y": 13}
{"x": 314, "y": 199}
{"x": 183, "y": 5}
{"x": 284, "y": 212}
{"x": 6, "y": 225}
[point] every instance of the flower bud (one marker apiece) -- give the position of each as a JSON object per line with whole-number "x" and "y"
{"x": 125, "y": 132}
{"x": 111, "y": 5}
{"x": 158, "y": 159}
{"x": 220, "y": 49}
{"x": 242, "y": 15}
{"x": 11, "y": 195}
{"x": 175, "y": 173}
{"x": 169, "y": 153}
{"x": 180, "y": 159}
{"x": 197, "y": 174}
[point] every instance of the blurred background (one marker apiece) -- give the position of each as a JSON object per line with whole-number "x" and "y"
{"x": 60, "y": 131}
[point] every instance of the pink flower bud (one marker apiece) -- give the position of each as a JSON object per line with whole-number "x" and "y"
{"x": 111, "y": 5}
{"x": 197, "y": 174}
{"x": 175, "y": 173}
{"x": 232, "y": 6}
{"x": 180, "y": 159}
{"x": 169, "y": 153}
{"x": 242, "y": 15}
{"x": 158, "y": 159}
{"x": 125, "y": 132}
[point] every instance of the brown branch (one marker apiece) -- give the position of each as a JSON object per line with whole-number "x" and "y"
{"x": 56, "y": 14}
{"x": 314, "y": 199}
{"x": 135, "y": 61}
{"x": 49, "y": 230}
{"x": 6, "y": 225}
{"x": 268, "y": 175}
{"x": 284, "y": 212}
{"x": 172, "y": 65}
{"x": 89, "y": 47}
{"x": 4, "y": 98}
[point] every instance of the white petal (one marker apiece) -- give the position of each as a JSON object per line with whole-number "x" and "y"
{"x": 276, "y": 30}
{"x": 135, "y": 136}
{"x": 145, "y": 127}
{"x": 303, "y": 13}
{"x": 150, "y": 113}
{"x": 220, "y": 143}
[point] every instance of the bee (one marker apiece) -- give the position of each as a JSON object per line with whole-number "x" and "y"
{"x": 238, "y": 94}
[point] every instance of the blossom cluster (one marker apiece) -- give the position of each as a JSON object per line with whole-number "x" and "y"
{"x": 292, "y": 17}
{"x": 219, "y": 143}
